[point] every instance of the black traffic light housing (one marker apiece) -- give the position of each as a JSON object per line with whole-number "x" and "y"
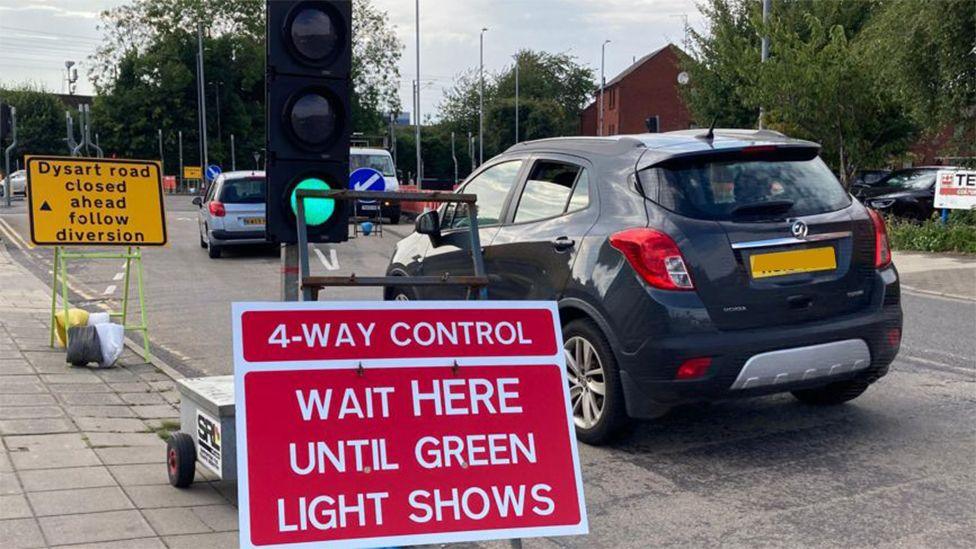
{"x": 308, "y": 111}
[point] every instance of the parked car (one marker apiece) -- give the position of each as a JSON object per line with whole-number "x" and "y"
{"x": 232, "y": 213}
{"x": 908, "y": 193}
{"x": 686, "y": 268}
{"x": 381, "y": 161}
{"x": 18, "y": 183}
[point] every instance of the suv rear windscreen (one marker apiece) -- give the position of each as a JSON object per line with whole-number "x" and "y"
{"x": 243, "y": 191}
{"x": 744, "y": 189}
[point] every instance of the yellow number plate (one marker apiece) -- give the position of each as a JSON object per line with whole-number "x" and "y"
{"x": 254, "y": 221}
{"x": 792, "y": 262}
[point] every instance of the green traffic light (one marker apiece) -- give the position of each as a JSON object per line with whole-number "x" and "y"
{"x": 317, "y": 210}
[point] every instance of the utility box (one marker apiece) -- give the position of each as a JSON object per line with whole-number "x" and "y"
{"x": 207, "y": 415}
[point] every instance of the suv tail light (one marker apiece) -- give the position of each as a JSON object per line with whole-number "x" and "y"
{"x": 217, "y": 209}
{"x": 882, "y": 250}
{"x": 655, "y": 256}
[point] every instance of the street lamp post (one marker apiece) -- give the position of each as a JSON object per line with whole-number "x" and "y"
{"x": 420, "y": 161}
{"x": 233, "y": 154}
{"x": 603, "y": 83}
{"x": 161, "y": 160}
{"x": 179, "y": 173}
{"x": 764, "y": 55}
{"x": 516, "y": 98}
{"x": 481, "y": 97}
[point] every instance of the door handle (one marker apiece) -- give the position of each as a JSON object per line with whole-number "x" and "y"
{"x": 562, "y": 243}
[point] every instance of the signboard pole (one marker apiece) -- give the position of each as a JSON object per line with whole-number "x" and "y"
{"x": 131, "y": 255}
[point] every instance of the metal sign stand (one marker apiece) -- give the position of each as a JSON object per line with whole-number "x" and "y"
{"x": 131, "y": 255}
{"x": 309, "y": 286}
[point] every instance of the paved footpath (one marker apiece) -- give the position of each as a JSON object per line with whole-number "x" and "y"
{"x": 82, "y": 462}
{"x": 948, "y": 275}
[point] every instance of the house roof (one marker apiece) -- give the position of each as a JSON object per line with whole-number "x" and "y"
{"x": 637, "y": 64}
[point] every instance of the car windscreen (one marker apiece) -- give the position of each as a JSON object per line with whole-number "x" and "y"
{"x": 379, "y": 162}
{"x": 741, "y": 189}
{"x": 243, "y": 191}
{"x": 909, "y": 179}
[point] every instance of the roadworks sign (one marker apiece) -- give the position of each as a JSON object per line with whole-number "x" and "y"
{"x": 95, "y": 202}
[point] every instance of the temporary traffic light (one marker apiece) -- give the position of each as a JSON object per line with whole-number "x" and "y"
{"x": 308, "y": 116}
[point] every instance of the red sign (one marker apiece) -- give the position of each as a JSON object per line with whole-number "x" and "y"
{"x": 377, "y": 424}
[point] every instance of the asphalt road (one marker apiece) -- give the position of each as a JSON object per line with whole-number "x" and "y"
{"x": 894, "y": 468}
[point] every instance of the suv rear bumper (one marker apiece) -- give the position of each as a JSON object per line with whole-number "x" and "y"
{"x": 648, "y": 376}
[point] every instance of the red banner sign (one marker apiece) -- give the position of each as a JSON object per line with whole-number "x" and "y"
{"x": 412, "y": 430}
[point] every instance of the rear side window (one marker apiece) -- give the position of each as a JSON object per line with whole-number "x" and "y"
{"x": 242, "y": 191}
{"x": 742, "y": 189}
{"x": 552, "y": 189}
{"x": 546, "y": 191}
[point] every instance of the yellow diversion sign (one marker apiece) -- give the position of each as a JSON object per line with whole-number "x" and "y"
{"x": 95, "y": 202}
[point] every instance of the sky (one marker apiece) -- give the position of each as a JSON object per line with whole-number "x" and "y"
{"x": 38, "y": 36}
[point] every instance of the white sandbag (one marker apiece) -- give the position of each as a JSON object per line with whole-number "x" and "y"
{"x": 98, "y": 318}
{"x": 112, "y": 338}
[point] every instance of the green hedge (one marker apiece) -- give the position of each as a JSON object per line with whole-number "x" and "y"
{"x": 959, "y": 235}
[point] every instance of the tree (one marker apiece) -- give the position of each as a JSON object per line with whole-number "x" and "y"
{"x": 926, "y": 55}
{"x": 819, "y": 86}
{"x": 145, "y": 74}
{"x": 553, "y": 89}
{"x": 819, "y": 83}
{"x": 723, "y": 66}
{"x": 40, "y": 120}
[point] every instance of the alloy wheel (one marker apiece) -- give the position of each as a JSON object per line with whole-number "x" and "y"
{"x": 587, "y": 384}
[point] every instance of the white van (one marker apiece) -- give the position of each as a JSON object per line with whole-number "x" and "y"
{"x": 382, "y": 161}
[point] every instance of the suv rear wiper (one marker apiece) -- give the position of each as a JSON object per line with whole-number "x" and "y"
{"x": 764, "y": 207}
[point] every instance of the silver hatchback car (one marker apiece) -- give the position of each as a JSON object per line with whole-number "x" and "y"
{"x": 232, "y": 212}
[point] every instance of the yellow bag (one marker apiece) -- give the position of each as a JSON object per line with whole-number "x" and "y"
{"x": 76, "y": 317}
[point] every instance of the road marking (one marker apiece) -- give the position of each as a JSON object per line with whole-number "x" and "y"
{"x": 14, "y": 237}
{"x": 118, "y": 276}
{"x": 936, "y": 365}
{"x": 331, "y": 263}
{"x": 110, "y": 290}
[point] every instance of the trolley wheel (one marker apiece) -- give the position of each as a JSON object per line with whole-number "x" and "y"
{"x": 181, "y": 460}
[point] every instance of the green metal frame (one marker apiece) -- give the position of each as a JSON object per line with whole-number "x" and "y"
{"x": 131, "y": 256}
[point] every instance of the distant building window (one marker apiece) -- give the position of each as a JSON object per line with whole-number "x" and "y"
{"x": 653, "y": 123}
{"x": 613, "y": 98}
{"x": 613, "y": 129}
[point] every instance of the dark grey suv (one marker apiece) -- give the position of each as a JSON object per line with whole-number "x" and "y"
{"x": 688, "y": 266}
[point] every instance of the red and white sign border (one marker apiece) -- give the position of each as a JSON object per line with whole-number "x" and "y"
{"x": 243, "y": 367}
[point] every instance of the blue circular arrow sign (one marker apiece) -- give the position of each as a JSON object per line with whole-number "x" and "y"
{"x": 213, "y": 171}
{"x": 367, "y": 179}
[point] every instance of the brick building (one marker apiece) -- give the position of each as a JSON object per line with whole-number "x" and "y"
{"x": 646, "y": 89}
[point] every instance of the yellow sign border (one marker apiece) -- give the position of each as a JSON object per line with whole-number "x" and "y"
{"x": 30, "y": 199}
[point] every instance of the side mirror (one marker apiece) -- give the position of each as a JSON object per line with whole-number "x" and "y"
{"x": 429, "y": 223}
{"x": 198, "y": 201}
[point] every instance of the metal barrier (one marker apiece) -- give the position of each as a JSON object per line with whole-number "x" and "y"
{"x": 311, "y": 285}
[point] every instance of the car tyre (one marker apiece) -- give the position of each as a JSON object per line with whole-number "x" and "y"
{"x": 213, "y": 251}
{"x": 203, "y": 243}
{"x": 586, "y": 344}
{"x": 181, "y": 460}
{"x": 401, "y": 294}
{"x": 395, "y": 219}
{"x": 836, "y": 393}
